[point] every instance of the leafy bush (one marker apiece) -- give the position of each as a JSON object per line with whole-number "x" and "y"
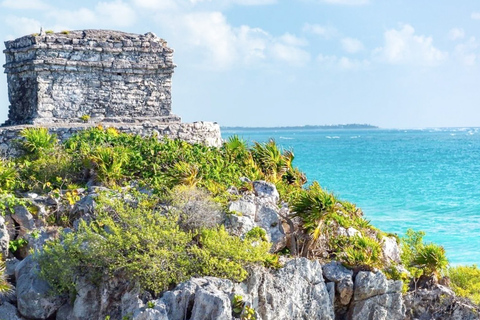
{"x": 420, "y": 258}
{"x": 37, "y": 140}
{"x": 358, "y": 251}
{"x": 465, "y": 281}
{"x": 147, "y": 247}
{"x": 8, "y": 175}
{"x": 431, "y": 259}
{"x": 312, "y": 206}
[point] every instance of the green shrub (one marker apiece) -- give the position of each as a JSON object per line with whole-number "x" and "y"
{"x": 358, "y": 251}
{"x": 431, "y": 259}
{"x": 51, "y": 169}
{"x": 257, "y": 233}
{"x": 420, "y": 258}
{"x": 16, "y": 244}
{"x": 147, "y": 247}
{"x": 465, "y": 281}
{"x": 37, "y": 140}
{"x": 8, "y": 175}
{"x": 85, "y": 117}
{"x": 108, "y": 163}
{"x": 312, "y": 206}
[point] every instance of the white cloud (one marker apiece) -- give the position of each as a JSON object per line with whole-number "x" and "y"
{"x": 404, "y": 47}
{"x": 116, "y": 13}
{"x": 104, "y": 15}
{"x": 237, "y": 2}
{"x": 347, "y": 2}
{"x": 20, "y": 26}
{"x": 342, "y": 63}
{"x": 211, "y": 32}
{"x": 293, "y": 40}
{"x": 25, "y": 4}
{"x": 326, "y": 32}
{"x": 222, "y": 46}
{"x": 475, "y": 15}
{"x": 466, "y": 52}
{"x": 351, "y": 45}
{"x": 456, "y": 34}
{"x": 292, "y": 55}
{"x": 156, "y": 4}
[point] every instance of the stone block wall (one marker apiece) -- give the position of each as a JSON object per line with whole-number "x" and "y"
{"x": 207, "y": 133}
{"x": 107, "y": 75}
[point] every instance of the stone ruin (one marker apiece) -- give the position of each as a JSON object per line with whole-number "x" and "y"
{"x": 71, "y": 80}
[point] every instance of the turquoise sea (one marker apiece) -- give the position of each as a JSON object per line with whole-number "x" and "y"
{"x": 422, "y": 179}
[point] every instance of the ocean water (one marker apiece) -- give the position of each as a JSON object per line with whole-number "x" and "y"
{"x": 421, "y": 179}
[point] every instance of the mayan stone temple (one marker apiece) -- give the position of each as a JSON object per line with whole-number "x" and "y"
{"x": 71, "y": 80}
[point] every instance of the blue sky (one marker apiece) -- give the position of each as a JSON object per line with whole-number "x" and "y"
{"x": 395, "y": 64}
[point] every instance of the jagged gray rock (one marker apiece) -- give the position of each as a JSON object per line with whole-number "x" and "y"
{"x": 239, "y": 225}
{"x": 266, "y": 190}
{"x": 96, "y": 302}
{"x": 267, "y": 218}
{"x": 199, "y": 298}
{"x": 259, "y": 210}
{"x": 245, "y": 206}
{"x": 24, "y": 219}
{"x": 11, "y": 265}
{"x": 8, "y": 312}
{"x": 342, "y": 277}
{"x": 33, "y": 296}
{"x": 376, "y": 298}
{"x": 296, "y": 291}
{"x": 439, "y": 303}
{"x": 391, "y": 250}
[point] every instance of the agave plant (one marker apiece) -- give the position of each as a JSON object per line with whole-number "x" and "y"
{"x": 271, "y": 160}
{"x": 5, "y": 286}
{"x": 431, "y": 258}
{"x": 108, "y": 163}
{"x": 236, "y": 148}
{"x": 8, "y": 175}
{"x": 312, "y": 206}
{"x": 37, "y": 139}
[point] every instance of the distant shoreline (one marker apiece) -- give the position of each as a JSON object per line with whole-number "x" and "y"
{"x": 322, "y": 127}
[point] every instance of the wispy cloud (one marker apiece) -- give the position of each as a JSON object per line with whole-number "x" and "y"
{"x": 325, "y": 32}
{"x": 342, "y": 63}
{"x": 103, "y": 15}
{"x": 20, "y": 26}
{"x": 475, "y": 15}
{"x": 223, "y": 46}
{"x": 405, "y": 47}
{"x": 352, "y": 45}
{"x": 25, "y": 4}
{"x": 347, "y": 2}
{"x": 456, "y": 34}
{"x": 466, "y": 52}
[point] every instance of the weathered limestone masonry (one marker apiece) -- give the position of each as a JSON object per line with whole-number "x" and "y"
{"x": 59, "y": 80}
